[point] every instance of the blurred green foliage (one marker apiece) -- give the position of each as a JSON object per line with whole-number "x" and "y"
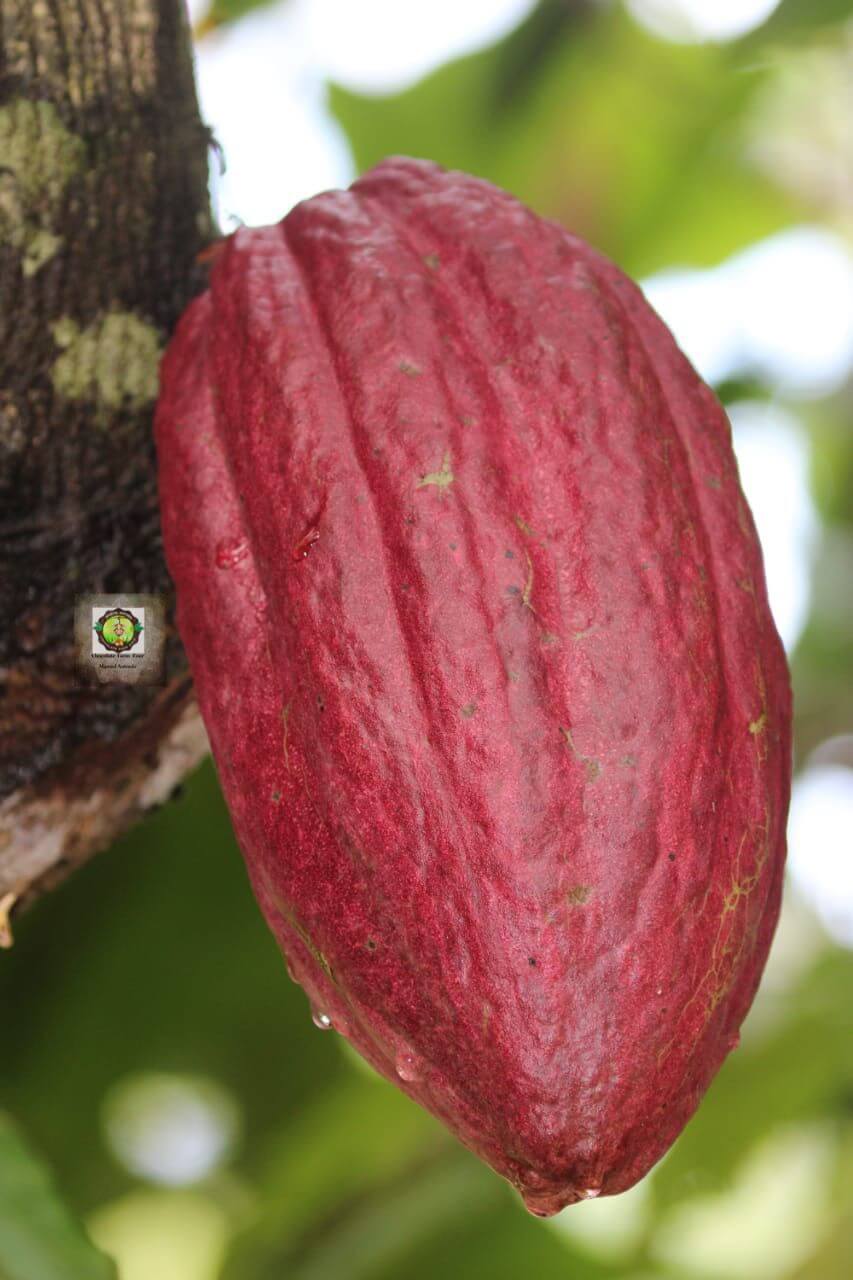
{"x": 222, "y": 11}
{"x": 38, "y": 1237}
{"x": 795, "y": 18}
{"x": 631, "y": 142}
{"x": 154, "y": 958}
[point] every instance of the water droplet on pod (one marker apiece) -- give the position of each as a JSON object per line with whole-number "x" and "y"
{"x": 590, "y": 1193}
{"x": 408, "y": 1067}
{"x": 321, "y": 1021}
{"x": 230, "y": 552}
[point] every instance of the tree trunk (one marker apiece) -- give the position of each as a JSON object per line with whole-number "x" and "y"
{"x": 103, "y": 212}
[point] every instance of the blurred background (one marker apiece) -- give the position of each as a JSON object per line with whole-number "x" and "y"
{"x": 154, "y": 1054}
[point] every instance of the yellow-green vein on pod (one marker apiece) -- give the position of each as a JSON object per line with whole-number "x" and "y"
{"x": 38, "y": 157}
{"x": 113, "y": 362}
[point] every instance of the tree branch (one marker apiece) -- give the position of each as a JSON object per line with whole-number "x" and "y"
{"x": 103, "y": 211}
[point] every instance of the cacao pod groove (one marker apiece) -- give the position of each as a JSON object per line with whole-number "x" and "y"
{"x": 477, "y": 618}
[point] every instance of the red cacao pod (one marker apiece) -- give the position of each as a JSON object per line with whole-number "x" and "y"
{"x": 477, "y": 618}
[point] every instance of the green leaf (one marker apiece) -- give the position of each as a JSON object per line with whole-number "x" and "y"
{"x": 417, "y": 121}
{"x": 634, "y": 143}
{"x": 222, "y": 11}
{"x": 383, "y": 1231}
{"x": 793, "y": 18}
{"x": 359, "y": 1138}
{"x": 39, "y": 1239}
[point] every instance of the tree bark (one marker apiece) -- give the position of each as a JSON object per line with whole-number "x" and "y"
{"x": 103, "y": 213}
